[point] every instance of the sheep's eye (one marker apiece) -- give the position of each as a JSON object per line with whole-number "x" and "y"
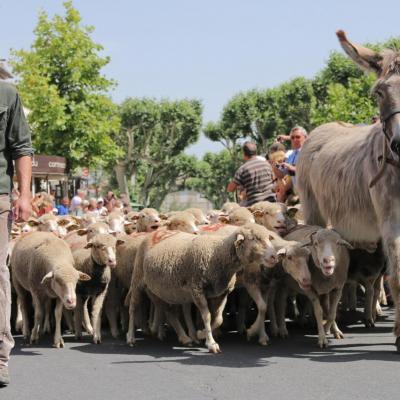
{"x": 289, "y": 258}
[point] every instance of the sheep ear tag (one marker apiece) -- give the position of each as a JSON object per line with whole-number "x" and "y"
{"x": 239, "y": 240}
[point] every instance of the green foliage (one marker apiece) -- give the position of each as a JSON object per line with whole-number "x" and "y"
{"x": 213, "y": 174}
{"x": 154, "y": 133}
{"x": 261, "y": 115}
{"x": 351, "y": 103}
{"x": 61, "y": 84}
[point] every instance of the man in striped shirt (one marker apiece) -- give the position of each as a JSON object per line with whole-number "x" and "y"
{"x": 255, "y": 176}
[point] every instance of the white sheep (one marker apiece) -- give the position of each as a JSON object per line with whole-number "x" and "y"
{"x": 42, "y": 264}
{"x": 184, "y": 268}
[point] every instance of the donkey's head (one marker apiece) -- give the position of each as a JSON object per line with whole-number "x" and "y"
{"x": 386, "y": 64}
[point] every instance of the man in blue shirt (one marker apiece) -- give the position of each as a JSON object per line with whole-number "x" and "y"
{"x": 298, "y": 136}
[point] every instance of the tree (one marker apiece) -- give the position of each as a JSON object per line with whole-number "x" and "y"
{"x": 61, "y": 83}
{"x": 181, "y": 170}
{"x": 261, "y": 115}
{"x": 212, "y": 176}
{"x": 153, "y": 133}
{"x": 343, "y": 91}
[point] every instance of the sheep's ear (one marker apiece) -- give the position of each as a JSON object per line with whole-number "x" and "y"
{"x": 291, "y": 212}
{"x": 343, "y": 242}
{"x": 49, "y": 275}
{"x": 224, "y": 219}
{"x": 312, "y": 237}
{"x": 33, "y": 222}
{"x": 72, "y": 227}
{"x": 365, "y": 58}
{"x": 305, "y": 244}
{"x": 239, "y": 240}
{"x": 82, "y": 232}
{"x": 120, "y": 242}
{"x": 88, "y": 245}
{"x": 281, "y": 253}
{"x": 271, "y": 237}
{"x": 63, "y": 222}
{"x": 163, "y": 216}
{"x": 257, "y": 213}
{"x": 84, "y": 277}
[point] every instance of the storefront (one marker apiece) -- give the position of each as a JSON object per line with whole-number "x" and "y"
{"x": 49, "y": 174}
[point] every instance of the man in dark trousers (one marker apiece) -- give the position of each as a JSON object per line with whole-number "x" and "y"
{"x": 15, "y": 145}
{"x": 255, "y": 176}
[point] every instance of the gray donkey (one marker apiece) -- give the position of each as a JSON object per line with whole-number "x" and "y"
{"x": 349, "y": 176}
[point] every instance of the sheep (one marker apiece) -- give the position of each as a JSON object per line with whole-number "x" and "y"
{"x": 213, "y": 216}
{"x": 184, "y": 268}
{"x": 78, "y": 239}
{"x": 201, "y": 219}
{"x": 42, "y": 264}
{"x": 131, "y": 221}
{"x": 181, "y": 221}
{"x": 271, "y": 215}
{"x": 116, "y": 222}
{"x": 366, "y": 268}
{"x": 96, "y": 259}
{"x": 328, "y": 264}
{"x": 260, "y": 282}
{"x": 228, "y": 207}
{"x": 48, "y": 223}
{"x": 240, "y": 216}
{"x": 148, "y": 220}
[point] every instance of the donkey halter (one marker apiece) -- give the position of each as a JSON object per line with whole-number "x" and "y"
{"x": 383, "y": 160}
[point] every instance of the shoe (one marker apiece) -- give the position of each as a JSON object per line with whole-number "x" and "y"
{"x": 4, "y": 376}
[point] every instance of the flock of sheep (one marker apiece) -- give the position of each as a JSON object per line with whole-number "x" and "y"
{"x": 149, "y": 271}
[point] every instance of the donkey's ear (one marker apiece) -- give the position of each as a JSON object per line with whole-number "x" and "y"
{"x": 365, "y": 58}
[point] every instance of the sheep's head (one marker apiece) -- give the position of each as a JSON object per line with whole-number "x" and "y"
{"x": 240, "y": 216}
{"x": 116, "y": 222}
{"x": 228, "y": 207}
{"x": 94, "y": 229}
{"x": 294, "y": 258}
{"x": 253, "y": 246}
{"x": 63, "y": 283}
{"x": 184, "y": 222}
{"x": 201, "y": 219}
{"x": 148, "y": 220}
{"x": 103, "y": 249}
{"x": 271, "y": 215}
{"x": 326, "y": 245}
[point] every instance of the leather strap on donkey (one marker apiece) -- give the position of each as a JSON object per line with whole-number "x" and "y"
{"x": 383, "y": 159}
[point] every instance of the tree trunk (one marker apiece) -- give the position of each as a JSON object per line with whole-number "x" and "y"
{"x": 120, "y": 170}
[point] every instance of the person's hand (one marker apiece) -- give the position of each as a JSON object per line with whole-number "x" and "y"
{"x": 283, "y": 138}
{"x": 289, "y": 167}
{"x": 22, "y": 208}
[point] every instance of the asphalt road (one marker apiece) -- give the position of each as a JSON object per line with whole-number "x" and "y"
{"x": 364, "y": 365}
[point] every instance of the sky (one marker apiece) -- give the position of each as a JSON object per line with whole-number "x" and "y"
{"x": 208, "y": 49}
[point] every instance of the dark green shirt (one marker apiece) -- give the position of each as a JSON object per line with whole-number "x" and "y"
{"x": 15, "y": 137}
